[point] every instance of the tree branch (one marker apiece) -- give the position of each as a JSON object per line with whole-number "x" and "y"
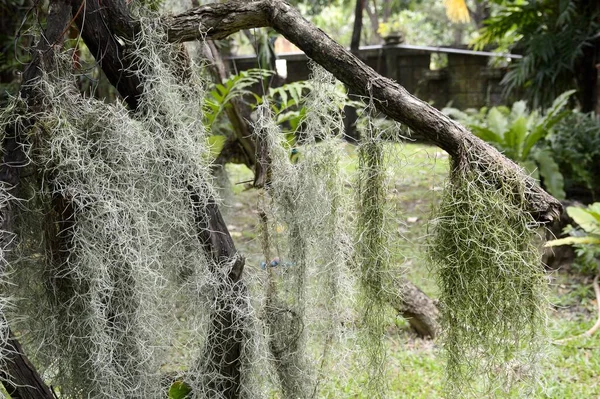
{"x": 468, "y": 151}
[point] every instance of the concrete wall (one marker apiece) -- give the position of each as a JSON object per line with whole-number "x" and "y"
{"x": 466, "y": 81}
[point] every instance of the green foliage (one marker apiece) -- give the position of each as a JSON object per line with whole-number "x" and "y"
{"x": 179, "y": 390}
{"x": 15, "y": 21}
{"x": 216, "y": 144}
{"x": 287, "y": 103}
{"x": 220, "y": 96}
{"x": 335, "y": 18}
{"x": 492, "y": 286}
{"x": 552, "y": 36}
{"x": 588, "y": 232}
{"x": 585, "y": 238}
{"x": 520, "y": 135}
{"x": 575, "y": 145}
{"x": 152, "y": 5}
{"x": 586, "y": 259}
{"x": 421, "y": 26}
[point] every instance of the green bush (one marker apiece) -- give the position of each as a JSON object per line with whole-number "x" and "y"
{"x": 575, "y": 146}
{"x": 585, "y": 238}
{"x": 521, "y": 135}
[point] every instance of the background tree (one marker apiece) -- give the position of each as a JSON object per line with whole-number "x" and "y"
{"x": 560, "y": 46}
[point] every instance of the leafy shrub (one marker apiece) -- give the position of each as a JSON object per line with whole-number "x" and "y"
{"x": 552, "y": 36}
{"x": 236, "y": 86}
{"x": 520, "y": 134}
{"x": 585, "y": 238}
{"x": 575, "y": 146}
{"x": 285, "y": 102}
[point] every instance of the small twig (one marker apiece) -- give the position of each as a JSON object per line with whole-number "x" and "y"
{"x": 596, "y": 326}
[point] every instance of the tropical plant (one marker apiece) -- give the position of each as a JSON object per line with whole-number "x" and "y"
{"x": 238, "y": 85}
{"x": 575, "y": 145}
{"x": 285, "y": 102}
{"x": 585, "y": 238}
{"x": 557, "y": 38}
{"x": 520, "y": 135}
{"x": 588, "y": 232}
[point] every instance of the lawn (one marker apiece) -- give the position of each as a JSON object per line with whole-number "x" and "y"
{"x": 571, "y": 369}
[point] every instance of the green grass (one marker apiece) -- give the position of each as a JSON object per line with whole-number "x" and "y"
{"x": 569, "y": 370}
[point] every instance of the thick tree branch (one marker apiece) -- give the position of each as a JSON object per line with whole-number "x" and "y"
{"x": 20, "y": 378}
{"x": 99, "y": 22}
{"x": 468, "y": 151}
{"x": 415, "y": 306}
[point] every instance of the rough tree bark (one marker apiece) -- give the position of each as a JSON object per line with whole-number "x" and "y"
{"x": 20, "y": 378}
{"x": 415, "y": 306}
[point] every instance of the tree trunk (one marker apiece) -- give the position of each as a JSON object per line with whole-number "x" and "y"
{"x": 19, "y": 377}
{"x": 416, "y": 307}
{"x": 481, "y": 13}
{"x": 374, "y": 19}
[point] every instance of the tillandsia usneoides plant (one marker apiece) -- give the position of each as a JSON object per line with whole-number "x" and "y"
{"x": 330, "y": 281}
{"x": 304, "y": 230}
{"x": 9, "y": 117}
{"x": 372, "y": 253}
{"x": 287, "y": 270}
{"x": 119, "y": 240}
{"x": 492, "y": 283}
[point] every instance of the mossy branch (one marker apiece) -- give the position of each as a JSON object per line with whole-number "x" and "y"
{"x": 217, "y": 21}
{"x": 469, "y": 152}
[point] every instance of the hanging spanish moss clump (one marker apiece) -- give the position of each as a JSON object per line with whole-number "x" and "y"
{"x": 304, "y": 241}
{"x": 108, "y": 267}
{"x": 6, "y": 239}
{"x": 372, "y": 255}
{"x": 285, "y": 262}
{"x": 331, "y": 285}
{"x": 492, "y": 285}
